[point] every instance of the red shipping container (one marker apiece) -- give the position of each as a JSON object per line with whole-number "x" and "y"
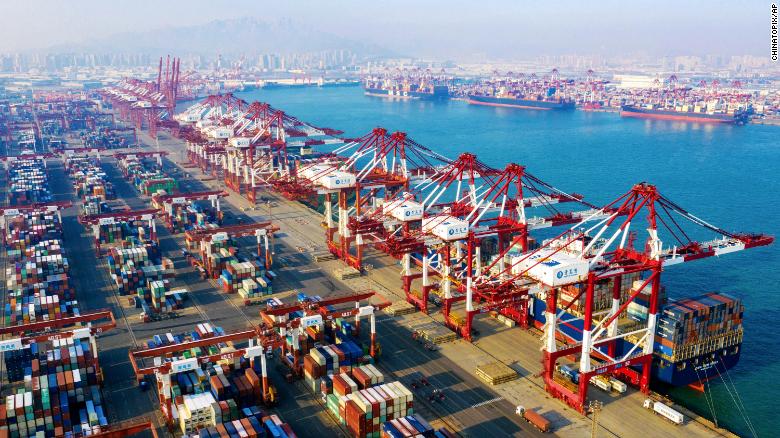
{"x": 248, "y": 428}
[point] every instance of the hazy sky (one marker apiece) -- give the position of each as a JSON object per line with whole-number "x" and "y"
{"x": 451, "y": 28}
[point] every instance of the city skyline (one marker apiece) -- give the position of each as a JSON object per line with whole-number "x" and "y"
{"x": 437, "y": 30}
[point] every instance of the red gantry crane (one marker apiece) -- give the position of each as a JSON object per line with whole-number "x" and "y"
{"x": 263, "y": 231}
{"x": 258, "y": 344}
{"x": 170, "y": 203}
{"x": 259, "y": 147}
{"x": 85, "y": 326}
{"x": 606, "y": 251}
{"x": 380, "y": 166}
{"x": 84, "y": 151}
{"x": 45, "y": 207}
{"x": 207, "y": 127}
{"x": 96, "y": 220}
{"x": 462, "y": 205}
{"x": 126, "y": 429}
{"x": 316, "y": 313}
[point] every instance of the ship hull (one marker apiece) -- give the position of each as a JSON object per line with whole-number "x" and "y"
{"x": 520, "y": 103}
{"x": 642, "y": 113}
{"x": 695, "y": 370}
{"x": 681, "y": 373}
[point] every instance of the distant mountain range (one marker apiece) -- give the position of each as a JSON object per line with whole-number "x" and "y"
{"x": 234, "y": 36}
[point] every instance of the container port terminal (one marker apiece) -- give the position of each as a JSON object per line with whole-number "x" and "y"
{"x": 665, "y": 98}
{"x": 232, "y": 270}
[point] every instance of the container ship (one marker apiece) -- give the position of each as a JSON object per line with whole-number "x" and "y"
{"x": 696, "y": 338}
{"x": 422, "y": 90}
{"x": 510, "y": 99}
{"x": 686, "y": 113}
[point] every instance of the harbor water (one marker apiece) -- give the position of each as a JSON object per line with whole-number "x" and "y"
{"x": 726, "y": 175}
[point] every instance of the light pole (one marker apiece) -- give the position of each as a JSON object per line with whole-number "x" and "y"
{"x": 595, "y": 407}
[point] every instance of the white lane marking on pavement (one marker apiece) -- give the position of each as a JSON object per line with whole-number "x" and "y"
{"x": 486, "y": 402}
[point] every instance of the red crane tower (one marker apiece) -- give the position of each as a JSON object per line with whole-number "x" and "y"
{"x": 261, "y": 138}
{"x": 606, "y": 251}
{"x": 263, "y": 231}
{"x": 96, "y": 220}
{"x": 171, "y": 202}
{"x": 315, "y": 313}
{"x": 258, "y": 345}
{"x": 380, "y": 166}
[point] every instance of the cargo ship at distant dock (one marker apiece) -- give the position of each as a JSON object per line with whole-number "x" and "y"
{"x": 507, "y": 99}
{"x": 684, "y": 114}
{"x": 407, "y": 91}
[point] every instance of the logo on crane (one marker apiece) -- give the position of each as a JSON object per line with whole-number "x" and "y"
{"x": 566, "y": 273}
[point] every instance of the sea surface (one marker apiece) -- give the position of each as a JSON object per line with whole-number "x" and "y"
{"x": 726, "y": 175}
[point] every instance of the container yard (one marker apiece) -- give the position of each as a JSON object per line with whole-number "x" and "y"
{"x": 392, "y": 291}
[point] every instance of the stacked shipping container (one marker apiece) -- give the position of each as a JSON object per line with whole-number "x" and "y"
{"x": 697, "y": 326}
{"x": 37, "y": 283}
{"x": 91, "y": 183}
{"x": 60, "y": 395}
{"x": 28, "y": 182}
{"x": 147, "y": 177}
{"x": 218, "y": 399}
{"x": 140, "y": 271}
{"x": 53, "y": 388}
{"x": 248, "y": 279}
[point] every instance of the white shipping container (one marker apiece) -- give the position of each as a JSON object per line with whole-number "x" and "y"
{"x": 550, "y": 268}
{"x": 221, "y": 133}
{"x": 665, "y": 411}
{"x": 404, "y": 210}
{"x": 239, "y": 142}
{"x": 445, "y": 227}
{"x": 601, "y": 382}
{"x": 338, "y": 180}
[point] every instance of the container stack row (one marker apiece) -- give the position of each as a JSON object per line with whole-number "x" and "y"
{"x": 217, "y": 255}
{"x": 51, "y": 386}
{"x": 638, "y": 309}
{"x": 322, "y": 363}
{"x": 91, "y": 183}
{"x": 253, "y": 424}
{"x": 138, "y": 271}
{"x": 411, "y": 426}
{"x": 23, "y": 231}
{"x": 366, "y": 411}
{"x": 105, "y": 138}
{"x": 248, "y": 279}
{"x": 28, "y": 182}
{"x": 189, "y": 216}
{"x": 54, "y": 392}
{"x": 602, "y": 294}
{"x": 37, "y": 275}
{"x": 147, "y": 177}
